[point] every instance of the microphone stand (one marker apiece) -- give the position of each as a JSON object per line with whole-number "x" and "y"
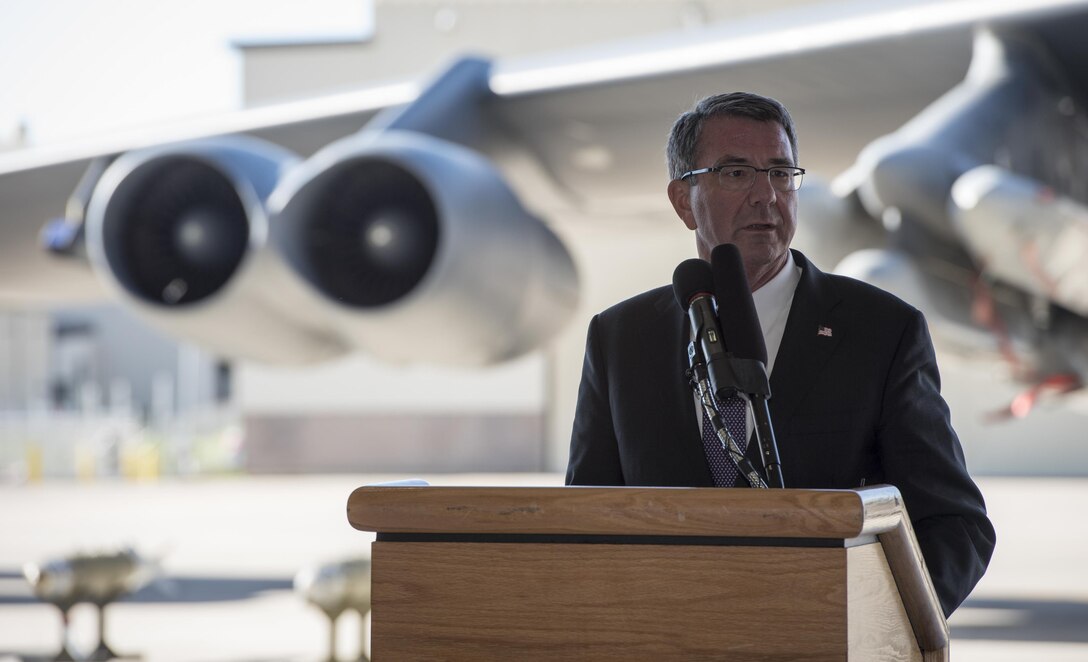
{"x": 699, "y": 381}
{"x": 768, "y": 446}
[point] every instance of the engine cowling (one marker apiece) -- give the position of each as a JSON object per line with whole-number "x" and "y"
{"x": 421, "y": 251}
{"x": 1025, "y": 234}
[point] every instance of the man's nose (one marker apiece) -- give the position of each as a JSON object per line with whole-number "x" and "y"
{"x": 761, "y": 192}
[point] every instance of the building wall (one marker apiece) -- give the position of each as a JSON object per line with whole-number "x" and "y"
{"x": 424, "y": 442}
{"x": 25, "y": 343}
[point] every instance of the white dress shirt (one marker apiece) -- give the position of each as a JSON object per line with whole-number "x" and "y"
{"x": 773, "y": 302}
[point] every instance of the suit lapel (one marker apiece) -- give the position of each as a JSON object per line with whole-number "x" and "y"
{"x": 810, "y": 337}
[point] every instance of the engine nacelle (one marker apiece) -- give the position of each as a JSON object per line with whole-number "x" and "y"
{"x": 1023, "y": 233}
{"x": 181, "y": 231}
{"x": 910, "y": 182}
{"x": 421, "y": 251}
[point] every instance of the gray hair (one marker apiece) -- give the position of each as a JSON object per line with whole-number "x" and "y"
{"x": 684, "y": 137}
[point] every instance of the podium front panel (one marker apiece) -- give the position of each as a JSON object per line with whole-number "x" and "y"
{"x": 495, "y": 601}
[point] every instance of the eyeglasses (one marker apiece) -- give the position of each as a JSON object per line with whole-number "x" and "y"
{"x": 736, "y": 177}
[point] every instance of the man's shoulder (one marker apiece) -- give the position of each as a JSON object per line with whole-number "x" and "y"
{"x": 650, "y": 302}
{"x": 851, "y": 289}
{"x": 870, "y": 300}
{"x": 859, "y": 290}
{"x": 855, "y": 297}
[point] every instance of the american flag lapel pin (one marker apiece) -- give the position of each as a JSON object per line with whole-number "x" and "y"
{"x": 824, "y": 331}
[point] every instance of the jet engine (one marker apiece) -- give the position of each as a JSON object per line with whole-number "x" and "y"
{"x": 421, "y": 250}
{"x": 397, "y": 243}
{"x": 181, "y": 231}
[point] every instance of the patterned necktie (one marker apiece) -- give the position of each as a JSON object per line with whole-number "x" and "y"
{"x": 733, "y": 412}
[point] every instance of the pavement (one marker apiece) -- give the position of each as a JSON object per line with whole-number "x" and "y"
{"x": 230, "y": 547}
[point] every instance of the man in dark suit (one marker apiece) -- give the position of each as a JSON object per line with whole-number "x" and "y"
{"x": 855, "y": 388}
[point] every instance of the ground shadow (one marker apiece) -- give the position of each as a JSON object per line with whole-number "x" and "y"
{"x": 1027, "y": 620}
{"x": 171, "y": 589}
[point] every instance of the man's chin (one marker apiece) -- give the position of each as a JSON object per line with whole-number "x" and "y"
{"x": 762, "y": 261}
{"x": 759, "y": 247}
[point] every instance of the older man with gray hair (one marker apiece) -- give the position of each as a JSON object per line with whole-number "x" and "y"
{"x": 856, "y": 390}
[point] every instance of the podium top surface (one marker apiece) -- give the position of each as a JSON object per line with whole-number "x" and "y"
{"x": 645, "y": 511}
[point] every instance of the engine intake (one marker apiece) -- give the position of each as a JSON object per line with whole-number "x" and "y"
{"x": 372, "y": 235}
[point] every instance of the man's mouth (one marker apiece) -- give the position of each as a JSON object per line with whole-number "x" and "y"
{"x": 759, "y": 227}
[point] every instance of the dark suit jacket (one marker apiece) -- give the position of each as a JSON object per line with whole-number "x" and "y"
{"x": 861, "y": 407}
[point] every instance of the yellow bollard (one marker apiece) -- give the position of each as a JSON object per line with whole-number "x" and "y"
{"x": 148, "y": 462}
{"x": 85, "y": 463}
{"x": 35, "y": 468}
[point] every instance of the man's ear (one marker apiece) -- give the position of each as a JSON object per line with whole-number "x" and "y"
{"x": 680, "y": 196}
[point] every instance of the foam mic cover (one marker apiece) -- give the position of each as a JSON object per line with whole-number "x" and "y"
{"x": 736, "y": 310}
{"x": 690, "y": 279}
{"x": 693, "y": 284}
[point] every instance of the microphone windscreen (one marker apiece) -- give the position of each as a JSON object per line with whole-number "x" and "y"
{"x": 690, "y": 278}
{"x": 736, "y": 309}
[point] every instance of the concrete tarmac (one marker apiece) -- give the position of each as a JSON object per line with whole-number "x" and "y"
{"x": 230, "y": 547}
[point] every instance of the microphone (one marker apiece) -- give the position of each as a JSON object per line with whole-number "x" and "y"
{"x": 693, "y": 284}
{"x": 744, "y": 336}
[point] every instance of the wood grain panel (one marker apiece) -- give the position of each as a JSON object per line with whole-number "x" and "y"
{"x": 878, "y": 625}
{"x": 480, "y": 601}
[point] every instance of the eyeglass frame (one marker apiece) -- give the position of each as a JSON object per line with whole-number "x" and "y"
{"x": 718, "y": 168}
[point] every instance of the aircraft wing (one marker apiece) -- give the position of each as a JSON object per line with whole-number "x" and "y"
{"x": 577, "y": 136}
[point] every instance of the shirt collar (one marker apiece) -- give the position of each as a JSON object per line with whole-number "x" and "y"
{"x": 777, "y": 293}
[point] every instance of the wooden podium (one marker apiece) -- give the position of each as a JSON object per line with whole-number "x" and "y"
{"x": 619, "y": 573}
